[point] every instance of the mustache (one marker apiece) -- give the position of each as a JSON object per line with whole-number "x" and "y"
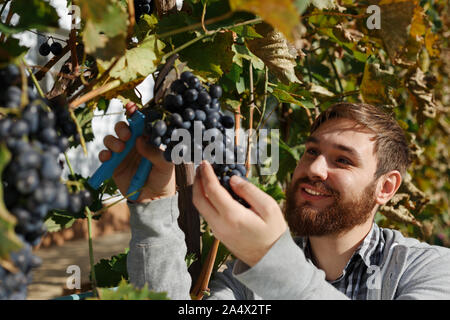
{"x": 316, "y": 184}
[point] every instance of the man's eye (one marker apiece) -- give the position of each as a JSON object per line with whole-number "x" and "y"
{"x": 344, "y": 161}
{"x": 312, "y": 152}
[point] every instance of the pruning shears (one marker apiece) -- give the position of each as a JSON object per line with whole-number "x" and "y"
{"x": 137, "y": 125}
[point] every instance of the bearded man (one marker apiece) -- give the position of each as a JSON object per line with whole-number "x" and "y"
{"x": 326, "y": 245}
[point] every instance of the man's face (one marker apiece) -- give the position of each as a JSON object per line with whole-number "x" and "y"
{"x": 333, "y": 187}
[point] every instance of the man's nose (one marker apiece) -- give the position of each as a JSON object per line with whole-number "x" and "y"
{"x": 318, "y": 169}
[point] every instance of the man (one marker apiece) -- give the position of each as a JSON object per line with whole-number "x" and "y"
{"x": 354, "y": 162}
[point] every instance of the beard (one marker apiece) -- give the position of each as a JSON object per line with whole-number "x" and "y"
{"x": 305, "y": 220}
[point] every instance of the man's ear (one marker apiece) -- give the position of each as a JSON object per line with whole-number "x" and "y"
{"x": 388, "y": 185}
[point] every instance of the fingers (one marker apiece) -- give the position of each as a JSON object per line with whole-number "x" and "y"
{"x": 199, "y": 199}
{"x": 260, "y": 201}
{"x": 104, "y": 155}
{"x": 152, "y": 153}
{"x": 217, "y": 195}
{"x": 113, "y": 144}
{"x": 122, "y": 130}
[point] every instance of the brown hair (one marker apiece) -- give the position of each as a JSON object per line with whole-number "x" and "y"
{"x": 391, "y": 147}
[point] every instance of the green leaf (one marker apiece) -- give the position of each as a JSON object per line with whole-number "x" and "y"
{"x": 274, "y": 190}
{"x": 106, "y": 27}
{"x": 84, "y": 118}
{"x": 210, "y": 59}
{"x": 136, "y": 62}
{"x": 8, "y": 239}
{"x": 11, "y": 51}
{"x": 110, "y": 272}
{"x": 33, "y": 14}
{"x": 241, "y": 52}
{"x": 56, "y": 222}
{"x": 247, "y": 32}
{"x": 126, "y": 291}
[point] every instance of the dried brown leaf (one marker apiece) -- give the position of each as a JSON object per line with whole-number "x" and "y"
{"x": 274, "y": 50}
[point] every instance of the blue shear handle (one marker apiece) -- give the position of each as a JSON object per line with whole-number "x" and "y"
{"x": 105, "y": 171}
{"x": 140, "y": 177}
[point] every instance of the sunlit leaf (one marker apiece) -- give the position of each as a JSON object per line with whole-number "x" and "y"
{"x": 281, "y": 14}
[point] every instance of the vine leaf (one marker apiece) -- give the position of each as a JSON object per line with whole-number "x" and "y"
{"x": 274, "y": 51}
{"x": 136, "y": 62}
{"x": 281, "y": 14}
{"x": 11, "y": 50}
{"x": 420, "y": 94}
{"x": 106, "y": 26}
{"x": 8, "y": 239}
{"x": 377, "y": 86}
{"x": 34, "y": 14}
{"x": 212, "y": 59}
{"x": 126, "y": 291}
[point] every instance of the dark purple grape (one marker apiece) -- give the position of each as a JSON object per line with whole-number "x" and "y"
{"x": 31, "y": 116}
{"x": 49, "y": 136}
{"x": 211, "y": 122}
{"x": 193, "y": 83}
{"x": 215, "y": 91}
{"x": 188, "y": 114}
{"x": 190, "y": 95}
{"x": 160, "y": 128}
{"x": 44, "y": 49}
{"x": 29, "y": 159}
{"x": 176, "y": 119}
{"x": 47, "y": 119}
{"x": 27, "y": 181}
{"x": 185, "y": 76}
{"x": 227, "y": 121}
{"x": 19, "y": 128}
{"x": 200, "y": 115}
{"x": 178, "y": 86}
{"x": 56, "y": 48}
{"x": 186, "y": 125}
{"x": 50, "y": 169}
{"x": 12, "y": 96}
{"x": 5, "y": 127}
{"x": 241, "y": 169}
{"x": 203, "y": 98}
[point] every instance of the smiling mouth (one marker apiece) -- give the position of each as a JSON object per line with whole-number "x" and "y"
{"x": 314, "y": 193}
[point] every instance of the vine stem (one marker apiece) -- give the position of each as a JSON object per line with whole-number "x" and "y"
{"x": 94, "y": 93}
{"x": 91, "y": 251}
{"x": 250, "y": 124}
{"x": 195, "y": 25}
{"x": 90, "y": 243}
{"x": 73, "y": 46}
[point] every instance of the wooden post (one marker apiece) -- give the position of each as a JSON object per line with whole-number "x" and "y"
{"x": 189, "y": 219}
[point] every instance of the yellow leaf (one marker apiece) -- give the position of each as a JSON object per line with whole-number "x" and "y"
{"x": 431, "y": 43}
{"x": 281, "y": 14}
{"x": 418, "y": 26}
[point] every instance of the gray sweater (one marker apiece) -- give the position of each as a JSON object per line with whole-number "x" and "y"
{"x": 409, "y": 270}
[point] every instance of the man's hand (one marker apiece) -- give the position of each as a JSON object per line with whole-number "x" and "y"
{"x": 247, "y": 233}
{"x": 161, "y": 180}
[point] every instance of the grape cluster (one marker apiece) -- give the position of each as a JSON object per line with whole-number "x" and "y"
{"x": 188, "y": 104}
{"x": 142, "y": 7}
{"x": 35, "y": 136}
{"x": 55, "y": 48}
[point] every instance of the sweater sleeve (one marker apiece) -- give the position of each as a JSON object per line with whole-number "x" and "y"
{"x": 284, "y": 273}
{"x": 158, "y": 249}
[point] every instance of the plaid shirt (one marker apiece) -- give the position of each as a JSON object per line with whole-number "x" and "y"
{"x": 353, "y": 281}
